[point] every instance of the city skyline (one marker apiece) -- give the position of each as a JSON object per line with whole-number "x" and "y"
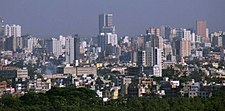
{"x": 112, "y": 54}
{"x": 48, "y": 19}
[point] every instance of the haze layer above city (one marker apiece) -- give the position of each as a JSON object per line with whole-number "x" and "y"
{"x": 49, "y": 18}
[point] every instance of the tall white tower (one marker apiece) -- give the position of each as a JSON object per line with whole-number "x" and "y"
{"x": 12, "y": 30}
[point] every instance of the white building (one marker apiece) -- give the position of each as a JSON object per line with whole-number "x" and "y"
{"x": 56, "y": 47}
{"x": 110, "y": 38}
{"x": 12, "y": 30}
{"x": 193, "y": 38}
{"x": 62, "y": 39}
{"x": 187, "y": 34}
{"x": 32, "y": 43}
{"x": 22, "y": 73}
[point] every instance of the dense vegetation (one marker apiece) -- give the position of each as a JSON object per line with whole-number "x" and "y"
{"x": 72, "y": 99}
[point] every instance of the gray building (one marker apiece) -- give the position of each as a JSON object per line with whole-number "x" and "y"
{"x": 72, "y": 49}
{"x": 106, "y": 23}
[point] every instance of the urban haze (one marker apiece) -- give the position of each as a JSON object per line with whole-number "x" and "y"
{"x": 113, "y": 55}
{"x": 47, "y": 18}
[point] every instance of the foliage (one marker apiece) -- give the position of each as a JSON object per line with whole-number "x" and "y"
{"x": 81, "y": 99}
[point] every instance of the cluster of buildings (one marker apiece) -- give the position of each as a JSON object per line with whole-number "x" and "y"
{"x": 113, "y": 66}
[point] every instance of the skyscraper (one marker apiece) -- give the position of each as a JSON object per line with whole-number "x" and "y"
{"x": 167, "y": 32}
{"x": 202, "y": 30}
{"x": 1, "y": 35}
{"x": 31, "y": 43}
{"x": 10, "y": 43}
{"x": 106, "y": 23}
{"x": 157, "y": 62}
{"x": 153, "y": 31}
{"x": 141, "y": 58}
{"x": 107, "y": 36}
{"x": 185, "y": 43}
{"x": 185, "y": 48}
{"x": 154, "y": 58}
{"x": 157, "y": 41}
{"x": 1, "y": 27}
{"x": 72, "y": 49}
{"x": 12, "y": 30}
{"x": 53, "y": 46}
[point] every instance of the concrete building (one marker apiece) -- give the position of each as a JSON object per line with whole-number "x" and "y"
{"x": 166, "y": 32}
{"x": 157, "y": 41}
{"x": 39, "y": 84}
{"x": 10, "y": 43}
{"x": 30, "y": 42}
{"x": 187, "y": 34}
{"x": 107, "y": 35}
{"x": 72, "y": 49}
{"x": 53, "y": 46}
{"x": 202, "y": 30}
{"x": 157, "y": 62}
{"x": 154, "y": 31}
{"x": 106, "y": 23}
{"x": 141, "y": 58}
{"x": 78, "y": 71}
{"x": 154, "y": 55}
{"x": 217, "y": 41}
{"x": 2, "y": 44}
{"x": 149, "y": 53}
{"x": 12, "y": 30}
{"x": 62, "y": 40}
{"x": 1, "y": 27}
{"x": 22, "y": 73}
{"x": 167, "y": 52}
{"x": 185, "y": 47}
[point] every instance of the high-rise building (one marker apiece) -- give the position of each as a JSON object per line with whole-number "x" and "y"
{"x": 167, "y": 51}
{"x": 181, "y": 44}
{"x": 157, "y": 41}
{"x": 165, "y": 32}
{"x": 187, "y": 34}
{"x": 185, "y": 47}
{"x": 1, "y": 27}
{"x": 202, "y": 30}
{"x": 141, "y": 58}
{"x": 12, "y": 30}
{"x": 101, "y": 41}
{"x": 111, "y": 39}
{"x": 107, "y": 36}
{"x": 10, "y": 43}
{"x": 180, "y": 33}
{"x": 62, "y": 40}
{"x": 2, "y": 45}
{"x": 217, "y": 41}
{"x": 154, "y": 58}
{"x": 1, "y": 35}
{"x": 106, "y": 23}
{"x": 32, "y": 42}
{"x": 154, "y": 31}
{"x": 72, "y": 49}
{"x": 157, "y": 62}
{"x": 173, "y": 33}
{"x": 149, "y": 49}
{"x": 53, "y": 46}
{"x": 19, "y": 43}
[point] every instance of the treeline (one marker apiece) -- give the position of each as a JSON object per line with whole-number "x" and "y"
{"x": 81, "y": 99}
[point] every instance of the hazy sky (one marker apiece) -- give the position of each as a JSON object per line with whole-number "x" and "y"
{"x": 48, "y": 18}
